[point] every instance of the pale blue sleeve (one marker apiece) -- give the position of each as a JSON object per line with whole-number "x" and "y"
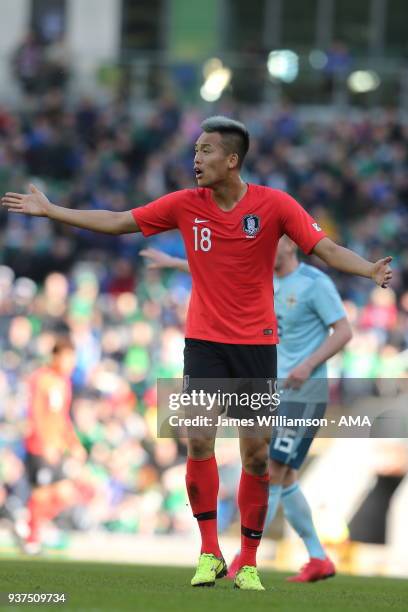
{"x": 326, "y": 301}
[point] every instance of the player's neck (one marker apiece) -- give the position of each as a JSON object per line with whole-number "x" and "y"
{"x": 288, "y": 267}
{"x": 55, "y": 368}
{"x": 228, "y": 193}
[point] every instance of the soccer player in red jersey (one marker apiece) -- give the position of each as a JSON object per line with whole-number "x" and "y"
{"x": 50, "y": 438}
{"x": 231, "y": 230}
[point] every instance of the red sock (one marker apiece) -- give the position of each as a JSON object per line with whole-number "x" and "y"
{"x": 57, "y": 504}
{"x": 44, "y": 508}
{"x": 34, "y": 519}
{"x": 253, "y": 505}
{"x": 202, "y": 487}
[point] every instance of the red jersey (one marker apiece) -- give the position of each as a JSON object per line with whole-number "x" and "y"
{"x": 49, "y": 422}
{"x": 231, "y": 257}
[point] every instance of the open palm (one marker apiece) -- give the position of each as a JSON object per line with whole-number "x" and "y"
{"x": 34, "y": 203}
{"x": 382, "y": 273}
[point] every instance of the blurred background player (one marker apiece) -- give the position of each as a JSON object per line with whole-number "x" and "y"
{"x": 50, "y": 440}
{"x": 307, "y": 307}
{"x": 312, "y": 328}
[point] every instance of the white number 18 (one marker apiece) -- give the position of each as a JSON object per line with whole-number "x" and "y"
{"x": 203, "y": 241}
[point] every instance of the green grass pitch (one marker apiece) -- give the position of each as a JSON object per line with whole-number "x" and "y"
{"x": 101, "y": 587}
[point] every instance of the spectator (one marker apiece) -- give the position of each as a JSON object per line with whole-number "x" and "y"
{"x": 28, "y": 63}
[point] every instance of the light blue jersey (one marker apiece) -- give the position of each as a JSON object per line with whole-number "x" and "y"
{"x": 306, "y": 304}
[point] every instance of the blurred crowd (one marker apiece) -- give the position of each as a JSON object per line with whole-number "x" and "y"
{"x": 126, "y": 321}
{"x": 41, "y": 61}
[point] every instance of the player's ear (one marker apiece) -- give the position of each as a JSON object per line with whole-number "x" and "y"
{"x": 233, "y": 161}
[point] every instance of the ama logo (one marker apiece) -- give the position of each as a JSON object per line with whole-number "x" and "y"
{"x": 251, "y": 225}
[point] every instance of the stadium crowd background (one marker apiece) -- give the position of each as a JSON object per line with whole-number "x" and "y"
{"x": 126, "y": 321}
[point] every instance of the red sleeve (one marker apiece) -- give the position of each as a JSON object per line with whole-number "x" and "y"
{"x": 158, "y": 216}
{"x": 298, "y": 224}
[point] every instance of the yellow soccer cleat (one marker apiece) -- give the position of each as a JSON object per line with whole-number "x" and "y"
{"x": 209, "y": 569}
{"x": 247, "y": 579}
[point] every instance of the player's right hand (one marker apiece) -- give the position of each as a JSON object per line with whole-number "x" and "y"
{"x": 299, "y": 375}
{"x": 34, "y": 203}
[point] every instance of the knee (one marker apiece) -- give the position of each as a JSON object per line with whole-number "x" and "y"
{"x": 277, "y": 472}
{"x": 200, "y": 449}
{"x": 290, "y": 477}
{"x": 65, "y": 491}
{"x": 256, "y": 461}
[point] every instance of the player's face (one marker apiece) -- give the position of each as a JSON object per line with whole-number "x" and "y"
{"x": 211, "y": 162}
{"x": 65, "y": 361}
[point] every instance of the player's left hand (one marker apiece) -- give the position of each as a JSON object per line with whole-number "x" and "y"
{"x": 298, "y": 376}
{"x": 381, "y": 272}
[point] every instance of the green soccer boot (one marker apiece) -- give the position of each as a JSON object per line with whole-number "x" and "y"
{"x": 247, "y": 579}
{"x": 209, "y": 569}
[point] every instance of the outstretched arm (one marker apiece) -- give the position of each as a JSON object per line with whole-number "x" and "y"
{"x": 159, "y": 259}
{"x": 37, "y": 204}
{"x": 347, "y": 261}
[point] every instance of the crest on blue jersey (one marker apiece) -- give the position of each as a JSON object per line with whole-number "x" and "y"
{"x": 251, "y": 224}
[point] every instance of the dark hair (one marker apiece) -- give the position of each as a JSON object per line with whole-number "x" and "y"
{"x": 234, "y": 134}
{"x": 61, "y": 344}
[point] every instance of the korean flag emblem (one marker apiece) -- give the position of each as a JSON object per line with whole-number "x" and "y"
{"x": 251, "y": 225}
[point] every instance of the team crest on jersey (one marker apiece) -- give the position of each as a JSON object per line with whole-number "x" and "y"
{"x": 251, "y": 225}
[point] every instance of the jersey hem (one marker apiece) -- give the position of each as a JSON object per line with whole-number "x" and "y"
{"x": 260, "y": 340}
{"x": 318, "y": 239}
{"x": 143, "y": 230}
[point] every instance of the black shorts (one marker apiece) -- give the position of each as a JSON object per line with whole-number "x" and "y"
{"x": 41, "y": 473}
{"x": 239, "y": 372}
{"x": 206, "y": 359}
